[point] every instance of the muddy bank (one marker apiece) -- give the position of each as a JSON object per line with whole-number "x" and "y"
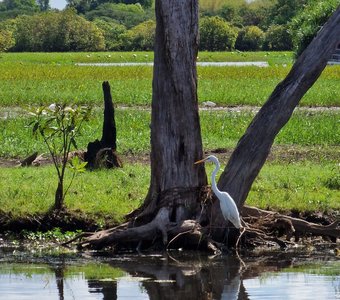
{"x": 65, "y": 220}
{"x": 280, "y": 153}
{"x": 68, "y": 220}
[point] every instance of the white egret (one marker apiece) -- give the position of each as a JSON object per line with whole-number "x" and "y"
{"x": 227, "y": 203}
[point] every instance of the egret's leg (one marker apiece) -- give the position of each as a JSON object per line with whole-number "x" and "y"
{"x": 226, "y": 236}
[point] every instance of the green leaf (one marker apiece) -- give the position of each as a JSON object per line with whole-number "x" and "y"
{"x": 77, "y": 165}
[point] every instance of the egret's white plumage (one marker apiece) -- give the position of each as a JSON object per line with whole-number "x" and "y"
{"x": 227, "y": 203}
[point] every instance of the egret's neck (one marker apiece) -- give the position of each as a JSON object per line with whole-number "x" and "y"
{"x": 213, "y": 178}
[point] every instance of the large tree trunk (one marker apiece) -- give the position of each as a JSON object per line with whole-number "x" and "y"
{"x": 175, "y": 129}
{"x": 253, "y": 148}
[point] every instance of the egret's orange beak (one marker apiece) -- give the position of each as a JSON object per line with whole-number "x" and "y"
{"x": 200, "y": 161}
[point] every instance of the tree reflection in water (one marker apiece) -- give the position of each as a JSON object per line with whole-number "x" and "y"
{"x": 174, "y": 275}
{"x": 184, "y": 277}
{"x": 180, "y": 276}
{"x": 107, "y": 288}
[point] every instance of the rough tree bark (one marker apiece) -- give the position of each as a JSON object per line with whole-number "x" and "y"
{"x": 175, "y": 129}
{"x": 103, "y": 153}
{"x": 172, "y": 204}
{"x": 253, "y": 148}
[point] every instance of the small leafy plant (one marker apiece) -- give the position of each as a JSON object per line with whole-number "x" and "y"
{"x": 59, "y": 125}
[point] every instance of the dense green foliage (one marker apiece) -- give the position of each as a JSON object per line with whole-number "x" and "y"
{"x": 83, "y": 6}
{"x": 13, "y": 8}
{"x": 114, "y": 33}
{"x": 250, "y": 38}
{"x": 129, "y": 24}
{"x": 140, "y": 37}
{"x": 216, "y": 34}
{"x": 57, "y": 31}
{"x": 284, "y": 10}
{"x": 278, "y": 37}
{"x": 127, "y": 15}
{"x": 308, "y": 22}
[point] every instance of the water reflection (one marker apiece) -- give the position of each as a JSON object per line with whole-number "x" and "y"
{"x": 185, "y": 278}
{"x": 175, "y": 276}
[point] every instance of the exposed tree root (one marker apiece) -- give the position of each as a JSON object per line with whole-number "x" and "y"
{"x": 262, "y": 228}
{"x": 289, "y": 226}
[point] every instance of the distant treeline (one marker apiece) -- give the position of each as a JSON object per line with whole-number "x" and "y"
{"x": 124, "y": 25}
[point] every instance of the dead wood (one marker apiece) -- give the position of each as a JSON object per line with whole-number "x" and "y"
{"x": 28, "y": 160}
{"x": 102, "y": 154}
{"x": 107, "y": 158}
{"x": 299, "y": 226}
{"x": 187, "y": 233}
{"x": 261, "y": 228}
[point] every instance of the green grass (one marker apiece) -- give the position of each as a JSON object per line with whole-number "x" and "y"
{"x": 44, "y": 78}
{"x": 30, "y": 79}
{"x": 300, "y": 186}
{"x": 137, "y": 56}
{"x": 107, "y": 192}
{"x": 113, "y": 193}
{"x": 250, "y": 85}
{"x": 219, "y": 130}
{"x": 325, "y": 268}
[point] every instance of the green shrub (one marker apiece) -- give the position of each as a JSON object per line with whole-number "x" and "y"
{"x": 113, "y": 33}
{"x": 216, "y": 34}
{"x": 141, "y": 37}
{"x": 278, "y": 38}
{"x": 57, "y": 31}
{"x": 250, "y": 38}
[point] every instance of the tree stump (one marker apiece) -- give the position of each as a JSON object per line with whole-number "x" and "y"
{"x": 103, "y": 153}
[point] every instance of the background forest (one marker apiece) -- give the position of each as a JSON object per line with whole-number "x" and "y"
{"x": 126, "y": 25}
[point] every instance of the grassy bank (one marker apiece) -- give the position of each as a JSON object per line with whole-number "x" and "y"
{"x": 35, "y": 78}
{"x": 302, "y": 174}
{"x": 220, "y": 129}
{"x": 27, "y": 191}
{"x": 302, "y": 186}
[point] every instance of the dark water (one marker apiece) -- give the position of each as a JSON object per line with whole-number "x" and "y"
{"x": 172, "y": 275}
